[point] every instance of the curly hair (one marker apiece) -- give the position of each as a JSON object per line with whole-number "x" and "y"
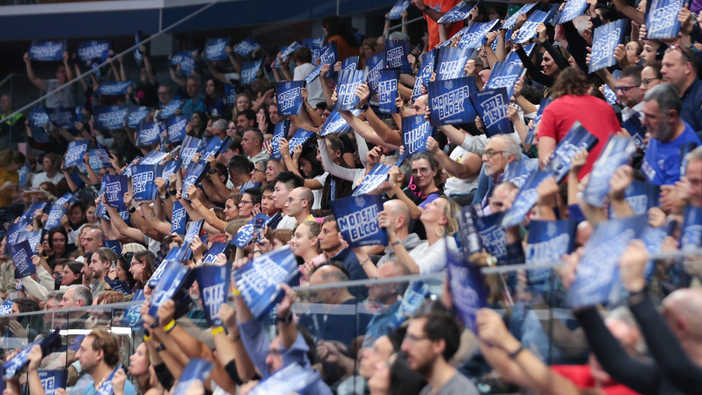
{"x": 570, "y": 81}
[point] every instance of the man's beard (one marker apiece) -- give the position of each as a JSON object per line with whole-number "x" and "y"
{"x": 97, "y": 275}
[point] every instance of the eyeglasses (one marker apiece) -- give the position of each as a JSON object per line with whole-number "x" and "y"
{"x": 647, "y": 81}
{"x": 679, "y": 47}
{"x": 625, "y": 89}
{"x": 245, "y": 202}
{"x": 413, "y": 339}
{"x": 422, "y": 170}
{"x": 490, "y": 153}
{"x": 262, "y": 171}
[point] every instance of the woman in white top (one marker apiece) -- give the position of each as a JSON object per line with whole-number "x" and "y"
{"x": 305, "y": 244}
{"x": 439, "y": 219}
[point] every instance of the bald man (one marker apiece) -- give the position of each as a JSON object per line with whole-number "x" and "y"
{"x": 299, "y": 205}
{"x": 398, "y": 214}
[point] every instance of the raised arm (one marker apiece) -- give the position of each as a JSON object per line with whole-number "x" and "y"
{"x": 33, "y": 77}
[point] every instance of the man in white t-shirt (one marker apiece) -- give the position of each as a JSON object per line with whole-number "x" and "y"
{"x": 303, "y": 60}
{"x": 57, "y": 97}
{"x": 50, "y": 165}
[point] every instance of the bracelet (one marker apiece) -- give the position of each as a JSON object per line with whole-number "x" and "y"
{"x": 132, "y": 210}
{"x": 236, "y": 292}
{"x": 366, "y": 261}
{"x": 169, "y": 326}
{"x": 160, "y": 348}
{"x": 237, "y": 338}
{"x": 396, "y": 242}
{"x": 515, "y": 353}
{"x": 147, "y": 338}
{"x": 217, "y": 330}
{"x": 259, "y": 251}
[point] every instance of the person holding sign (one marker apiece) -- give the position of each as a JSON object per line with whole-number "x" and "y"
{"x": 64, "y": 97}
{"x": 286, "y": 348}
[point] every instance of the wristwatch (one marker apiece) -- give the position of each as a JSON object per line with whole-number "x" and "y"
{"x": 287, "y": 319}
{"x": 212, "y": 171}
{"x": 364, "y": 107}
{"x": 426, "y": 7}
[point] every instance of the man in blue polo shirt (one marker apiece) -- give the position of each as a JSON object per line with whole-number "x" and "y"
{"x": 679, "y": 68}
{"x": 662, "y": 119}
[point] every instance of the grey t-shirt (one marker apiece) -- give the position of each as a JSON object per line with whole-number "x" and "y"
{"x": 458, "y": 385}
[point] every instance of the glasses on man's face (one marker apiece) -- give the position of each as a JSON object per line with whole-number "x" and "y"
{"x": 245, "y": 202}
{"x": 409, "y": 338}
{"x": 490, "y": 153}
{"x": 421, "y": 170}
{"x": 647, "y": 81}
{"x": 625, "y": 89}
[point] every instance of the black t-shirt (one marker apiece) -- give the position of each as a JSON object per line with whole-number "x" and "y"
{"x": 146, "y": 94}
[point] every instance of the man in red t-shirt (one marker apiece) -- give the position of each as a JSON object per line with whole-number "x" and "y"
{"x": 433, "y": 10}
{"x": 595, "y": 114}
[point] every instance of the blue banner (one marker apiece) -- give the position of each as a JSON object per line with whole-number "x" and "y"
{"x": 115, "y": 188}
{"x": 642, "y": 196}
{"x": 170, "y": 108}
{"x": 357, "y": 218}
{"x": 350, "y": 63}
{"x": 215, "y": 249}
{"x": 179, "y": 218}
{"x": 230, "y": 94}
{"x": 547, "y": 243}
{"x": 75, "y": 152}
{"x": 467, "y": 288}
{"x": 63, "y": 118}
{"x": 47, "y": 51}
{"x": 100, "y": 157}
{"x": 6, "y": 308}
{"x": 175, "y": 255}
{"x": 597, "y": 279}
{"x": 662, "y": 19}
{"x": 493, "y": 236}
{"x": 115, "y": 246}
{"x": 173, "y": 284}
{"x": 185, "y": 60}
{"x": 539, "y": 114}
{"x": 396, "y": 52}
{"x": 528, "y": 29}
{"x": 49, "y": 344}
{"x": 288, "y": 96}
{"x": 105, "y": 387}
{"x": 346, "y": 88}
{"x": 23, "y": 173}
{"x": 149, "y": 133}
{"x": 110, "y": 117}
{"x": 290, "y": 379}
{"x": 426, "y": 67}
{"x": 474, "y": 35}
{"x": 577, "y": 137}
{"x": 525, "y": 200}
{"x": 213, "y": 282}
{"x": 175, "y": 126}
{"x": 459, "y": 12}
{"x": 89, "y": 50}
{"x": 38, "y": 118}
{"x": 513, "y": 58}
{"x": 684, "y": 150}
{"x": 450, "y": 62}
{"x": 636, "y": 130}
{"x": 518, "y": 172}
{"x": 505, "y": 75}
{"x": 329, "y": 56}
{"x": 691, "y": 232}
{"x": 471, "y": 243}
{"x": 33, "y": 237}
{"x": 249, "y": 72}
{"x": 571, "y": 10}
{"x": 604, "y": 41}
{"x": 397, "y": 10}
{"x": 113, "y": 88}
{"x": 259, "y": 280}
{"x": 374, "y": 65}
{"x": 143, "y": 186}
{"x": 246, "y": 47}
{"x": 387, "y": 91}
{"x": 512, "y": 20}
{"x": 300, "y": 138}
{"x": 214, "y": 147}
{"x": 373, "y": 180}
{"x": 189, "y": 148}
{"x": 281, "y": 131}
{"x": 449, "y": 101}
{"x": 285, "y": 52}
{"x": 118, "y": 285}
{"x": 21, "y": 256}
{"x": 152, "y": 158}
{"x": 29, "y": 213}
{"x": 55, "y": 214}
{"x": 616, "y": 153}
{"x": 491, "y": 106}
{"x": 14, "y": 229}
{"x": 245, "y": 235}
{"x": 196, "y": 171}
{"x": 214, "y": 49}
{"x": 136, "y": 115}
{"x": 132, "y": 316}
{"x": 196, "y": 369}
{"x": 415, "y": 133}
{"x": 336, "y": 124}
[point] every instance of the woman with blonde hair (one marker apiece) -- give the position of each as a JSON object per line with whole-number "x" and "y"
{"x": 305, "y": 244}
